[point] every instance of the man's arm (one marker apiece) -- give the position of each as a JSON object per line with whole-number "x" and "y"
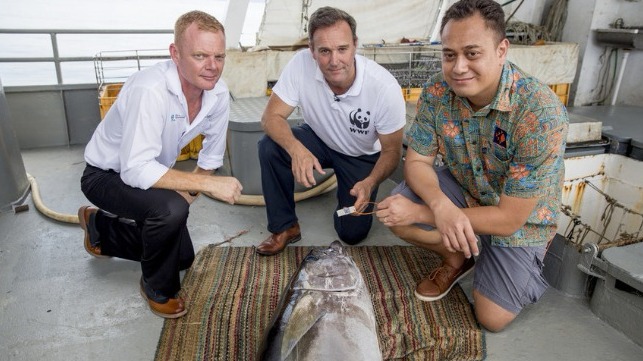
{"x": 275, "y": 124}
{"x": 456, "y": 226}
{"x": 227, "y": 189}
{"x": 389, "y": 159}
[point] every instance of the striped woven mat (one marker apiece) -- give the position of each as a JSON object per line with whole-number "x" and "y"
{"x": 232, "y": 293}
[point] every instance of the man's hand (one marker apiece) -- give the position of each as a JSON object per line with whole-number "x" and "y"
{"x": 398, "y": 210}
{"x": 303, "y": 164}
{"x": 227, "y": 189}
{"x": 456, "y": 230}
{"x": 362, "y": 191}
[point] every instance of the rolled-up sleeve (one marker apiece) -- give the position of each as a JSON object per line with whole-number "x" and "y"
{"x": 214, "y": 144}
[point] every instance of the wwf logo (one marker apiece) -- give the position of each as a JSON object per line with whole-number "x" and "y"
{"x": 360, "y": 119}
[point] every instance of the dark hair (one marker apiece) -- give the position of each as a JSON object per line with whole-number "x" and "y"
{"x": 327, "y": 16}
{"x": 203, "y": 20}
{"x": 490, "y": 11}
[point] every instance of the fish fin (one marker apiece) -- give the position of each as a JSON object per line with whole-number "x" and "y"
{"x": 337, "y": 246}
{"x": 303, "y": 317}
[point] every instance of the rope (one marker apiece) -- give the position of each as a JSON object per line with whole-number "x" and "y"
{"x": 554, "y": 22}
{"x": 526, "y": 34}
{"x": 577, "y": 231}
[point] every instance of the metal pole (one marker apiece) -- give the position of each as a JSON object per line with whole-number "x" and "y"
{"x": 54, "y": 47}
{"x": 626, "y": 53}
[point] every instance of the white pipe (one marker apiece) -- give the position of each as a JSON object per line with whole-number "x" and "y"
{"x": 626, "y": 53}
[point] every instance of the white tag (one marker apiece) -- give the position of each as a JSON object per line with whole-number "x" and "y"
{"x": 345, "y": 211}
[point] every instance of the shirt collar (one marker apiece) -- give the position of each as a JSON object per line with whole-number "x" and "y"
{"x": 502, "y": 100}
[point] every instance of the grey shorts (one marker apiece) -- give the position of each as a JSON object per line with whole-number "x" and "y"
{"x": 511, "y": 277}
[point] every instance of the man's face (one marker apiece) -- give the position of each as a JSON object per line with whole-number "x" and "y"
{"x": 334, "y": 50}
{"x": 471, "y": 60}
{"x": 199, "y": 57}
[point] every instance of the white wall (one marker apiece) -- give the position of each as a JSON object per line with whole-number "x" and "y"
{"x": 583, "y": 17}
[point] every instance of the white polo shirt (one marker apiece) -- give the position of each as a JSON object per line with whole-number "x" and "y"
{"x": 146, "y": 128}
{"x": 349, "y": 123}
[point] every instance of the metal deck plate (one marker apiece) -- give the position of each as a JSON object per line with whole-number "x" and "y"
{"x": 624, "y": 263}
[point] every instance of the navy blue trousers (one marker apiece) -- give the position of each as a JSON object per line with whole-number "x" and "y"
{"x": 147, "y": 226}
{"x": 278, "y": 183}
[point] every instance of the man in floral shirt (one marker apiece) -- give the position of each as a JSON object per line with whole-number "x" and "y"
{"x": 485, "y": 160}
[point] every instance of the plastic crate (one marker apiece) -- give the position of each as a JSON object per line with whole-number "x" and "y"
{"x": 562, "y": 90}
{"x": 192, "y": 149}
{"x": 411, "y": 94}
{"x": 107, "y": 95}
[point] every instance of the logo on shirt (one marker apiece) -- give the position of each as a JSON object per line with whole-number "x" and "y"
{"x": 361, "y": 120}
{"x": 500, "y": 137}
{"x": 175, "y": 117}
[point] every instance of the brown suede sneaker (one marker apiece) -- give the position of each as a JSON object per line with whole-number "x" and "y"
{"x": 278, "y": 241}
{"x": 84, "y": 215}
{"x": 441, "y": 280}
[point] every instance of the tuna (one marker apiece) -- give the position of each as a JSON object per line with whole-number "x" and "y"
{"x": 325, "y": 313}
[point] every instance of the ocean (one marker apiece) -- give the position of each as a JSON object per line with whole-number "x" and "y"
{"x": 94, "y": 14}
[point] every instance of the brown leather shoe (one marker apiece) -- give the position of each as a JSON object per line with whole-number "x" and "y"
{"x": 278, "y": 241}
{"x": 170, "y": 308}
{"x": 441, "y": 280}
{"x": 84, "y": 214}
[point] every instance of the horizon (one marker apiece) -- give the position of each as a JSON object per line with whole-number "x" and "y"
{"x": 92, "y": 15}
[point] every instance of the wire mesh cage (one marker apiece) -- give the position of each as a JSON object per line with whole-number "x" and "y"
{"x": 112, "y": 68}
{"x": 116, "y": 66}
{"x": 411, "y": 65}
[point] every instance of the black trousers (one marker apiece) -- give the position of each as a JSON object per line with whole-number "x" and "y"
{"x": 278, "y": 184}
{"x": 147, "y": 226}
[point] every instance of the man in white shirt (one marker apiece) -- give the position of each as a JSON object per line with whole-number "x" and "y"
{"x": 354, "y": 116}
{"x": 143, "y": 202}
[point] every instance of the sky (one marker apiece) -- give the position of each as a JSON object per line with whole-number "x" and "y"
{"x": 108, "y": 14}
{"x": 94, "y": 14}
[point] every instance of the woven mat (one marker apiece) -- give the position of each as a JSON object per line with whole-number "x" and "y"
{"x": 232, "y": 293}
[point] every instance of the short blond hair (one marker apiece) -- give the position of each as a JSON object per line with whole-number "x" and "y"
{"x": 203, "y": 20}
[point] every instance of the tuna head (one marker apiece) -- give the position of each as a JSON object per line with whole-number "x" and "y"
{"x": 325, "y": 313}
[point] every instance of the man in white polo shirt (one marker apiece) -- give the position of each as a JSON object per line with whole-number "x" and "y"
{"x": 143, "y": 202}
{"x": 354, "y": 116}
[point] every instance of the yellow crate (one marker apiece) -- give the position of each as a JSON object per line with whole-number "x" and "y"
{"x": 192, "y": 149}
{"x": 562, "y": 90}
{"x": 107, "y": 95}
{"x": 411, "y": 94}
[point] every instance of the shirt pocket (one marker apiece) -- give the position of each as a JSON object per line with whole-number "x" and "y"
{"x": 495, "y": 159}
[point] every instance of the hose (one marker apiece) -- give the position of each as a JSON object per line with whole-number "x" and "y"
{"x": 246, "y": 200}
{"x": 40, "y": 206}
{"x": 324, "y": 187}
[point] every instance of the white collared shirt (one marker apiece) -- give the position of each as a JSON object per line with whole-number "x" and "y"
{"x": 146, "y": 128}
{"x": 349, "y": 123}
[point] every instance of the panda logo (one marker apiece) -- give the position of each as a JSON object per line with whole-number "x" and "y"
{"x": 360, "y": 119}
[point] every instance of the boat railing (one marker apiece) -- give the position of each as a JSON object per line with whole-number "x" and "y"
{"x": 58, "y": 60}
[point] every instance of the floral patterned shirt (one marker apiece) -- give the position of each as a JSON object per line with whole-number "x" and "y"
{"x": 513, "y": 146}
